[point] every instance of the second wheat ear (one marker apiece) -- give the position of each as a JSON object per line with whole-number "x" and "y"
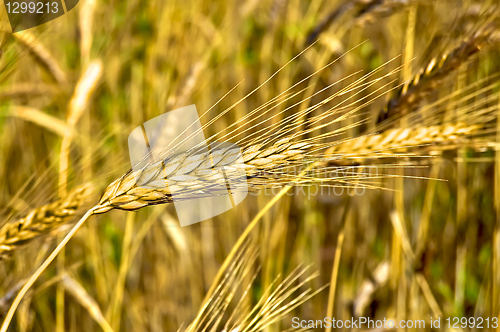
{"x": 39, "y": 221}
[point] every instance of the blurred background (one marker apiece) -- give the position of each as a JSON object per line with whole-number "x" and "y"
{"x": 73, "y": 89}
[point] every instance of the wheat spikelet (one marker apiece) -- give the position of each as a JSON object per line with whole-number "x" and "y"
{"x": 188, "y": 172}
{"x": 266, "y": 153}
{"x": 41, "y": 220}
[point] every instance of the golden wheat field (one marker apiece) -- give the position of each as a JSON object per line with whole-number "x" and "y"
{"x": 366, "y": 135}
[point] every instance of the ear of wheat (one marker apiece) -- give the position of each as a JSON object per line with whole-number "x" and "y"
{"x": 410, "y": 95}
{"x": 42, "y": 220}
{"x": 263, "y": 154}
{"x": 272, "y": 166}
{"x": 399, "y": 142}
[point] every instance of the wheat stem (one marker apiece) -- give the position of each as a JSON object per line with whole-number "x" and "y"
{"x": 19, "y": 297}
{"x": 335, "y": 272}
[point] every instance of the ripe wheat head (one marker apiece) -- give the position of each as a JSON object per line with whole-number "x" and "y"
{"x": 42, "y": 220}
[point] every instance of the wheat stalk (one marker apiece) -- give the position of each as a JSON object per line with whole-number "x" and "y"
{"x": 42, "y": 220}
{"x": 27, "y": 89}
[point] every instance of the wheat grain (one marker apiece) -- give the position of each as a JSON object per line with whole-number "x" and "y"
{"x": 41, "y": 220}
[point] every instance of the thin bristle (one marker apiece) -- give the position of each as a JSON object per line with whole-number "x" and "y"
{"x": 190, "y": 174}
{"x": 277, "y": 300}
